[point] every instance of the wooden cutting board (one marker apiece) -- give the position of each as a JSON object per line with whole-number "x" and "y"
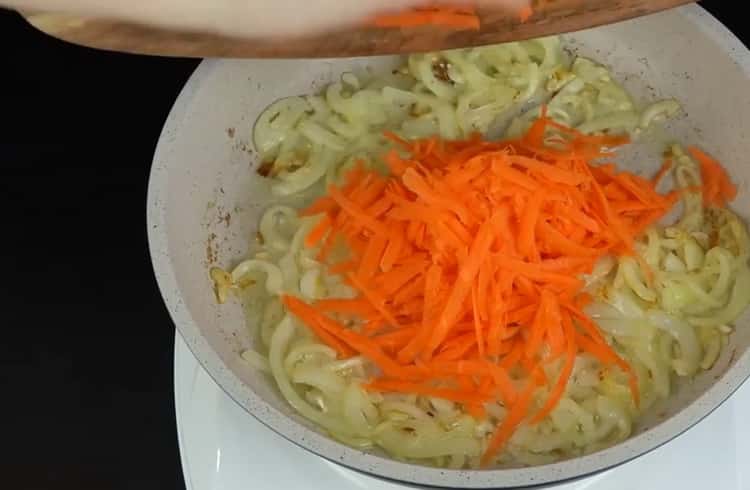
{"x": 555, "y": 16}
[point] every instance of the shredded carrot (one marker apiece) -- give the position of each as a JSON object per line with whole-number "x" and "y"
{"x": 477, "y": 322}
{"x": 342, "y": 349}
{"x": 454, "y": 17}
{"x": 663, "y": 170}
{"x": 718, "y": 188}
{"x": 465, "y": 261}
{"x": 526, "y": 13}
{"x": 322, "y": 205}
{"x": 342, "y": 267}
{"x": 450, "y": 17}
{"x": 318, "y": 231}
{"x": 562, "y": 382}
{"x": 508, "y": 426}
{"x": 357, "y": 307}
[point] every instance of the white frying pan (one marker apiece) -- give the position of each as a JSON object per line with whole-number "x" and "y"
{"x": 203, "y": 172}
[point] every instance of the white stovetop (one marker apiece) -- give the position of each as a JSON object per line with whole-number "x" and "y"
{"x": 224, "y": 448}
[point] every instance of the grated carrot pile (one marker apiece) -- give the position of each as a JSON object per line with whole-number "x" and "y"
{"x": 466, "y": 259}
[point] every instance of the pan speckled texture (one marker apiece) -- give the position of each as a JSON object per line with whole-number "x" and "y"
{"x": 205, "y": 200}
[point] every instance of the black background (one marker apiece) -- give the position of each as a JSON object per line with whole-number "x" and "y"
{"x": 86, "y": 344}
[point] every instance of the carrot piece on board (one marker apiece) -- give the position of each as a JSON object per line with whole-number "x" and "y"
{"x": 454, "y": 18}
{"x": 526, "y": 13}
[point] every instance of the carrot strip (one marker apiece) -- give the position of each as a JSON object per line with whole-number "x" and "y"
{"x": 359, "y": 343}
{"x": 419, "y": 186}
{"x": 357, "y": 307}
{"x": 526, "y": 239}
{"x": 479, "y": 250}
{"x": 393, "y": 280}
{"x": 539, "y": 326}
{"x": 322, "y": 205}
{"x": 373, "y": 326}
{"x": 410, "y": 291}
{"x": 354, "y": 210}
{"x": 513, "y": 357}
{"x": 395, "y": 339}
{"x": 312, "y": 322}
{"x": 663, "y": 170}
{"x": 343, "y": 267}
{"x": 522, "y": 315}
{"x": 559, "y": 244}
{"x": 718, "y": 188}
{"x": 505, "y": 172}
{"x": 432, "y": 283}
{"x": 510, "y": 423}
{"x": 548, "y": 171}
{"x": 396, "y": 242}
{"x": 372, "y": 257}
{"x": 555, "y": 333}
{"x": 318, "y": 231}
{"x": 375, "y": 300}
{"x": 562, "y": 380}
{"x": 477, "y": 322}
{"x": 535, "y": 272}
{"x": 526, "y": 13}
